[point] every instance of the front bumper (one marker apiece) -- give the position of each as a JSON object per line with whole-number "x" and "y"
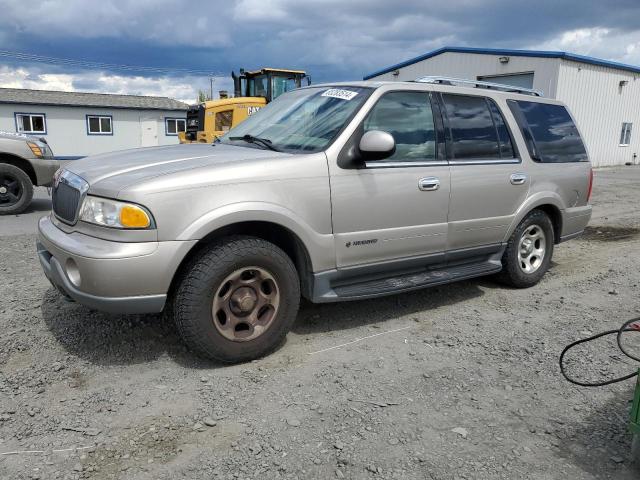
{"x": 110, "y": 276}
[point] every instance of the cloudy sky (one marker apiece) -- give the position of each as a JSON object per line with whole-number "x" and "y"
{"x": 331, "y": 39}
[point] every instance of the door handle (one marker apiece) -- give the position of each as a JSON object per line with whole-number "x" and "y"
{"x": 428, "y": 184}
{"x": 518, "y": 178}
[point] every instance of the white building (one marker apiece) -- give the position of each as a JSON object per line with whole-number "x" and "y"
{"x": 80, "y": 124}
{"x": 603, "y": 96}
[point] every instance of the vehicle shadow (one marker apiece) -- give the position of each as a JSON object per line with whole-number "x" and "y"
{"x": 38, "y": 204}
{"x": 600, "y": 443}
{"x": 105, "y": 339}
{"x": 328, "y": 317}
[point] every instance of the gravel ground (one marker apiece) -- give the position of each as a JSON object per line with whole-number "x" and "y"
{"x": 454, "y": 382}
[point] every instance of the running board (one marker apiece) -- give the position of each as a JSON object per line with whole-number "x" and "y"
{"x": 414, "y": 280}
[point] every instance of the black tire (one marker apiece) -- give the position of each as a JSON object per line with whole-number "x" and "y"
{"x": 513, "y": 267}
{"x": 202, "y": 281}
{"x": 16, "y": 190}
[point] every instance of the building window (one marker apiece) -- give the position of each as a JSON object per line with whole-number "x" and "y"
{"x": 31, "y": 123}
{"x": 173, "y": 126}
{"x": 99, "y": 125}
{"x": 625, "y": 134}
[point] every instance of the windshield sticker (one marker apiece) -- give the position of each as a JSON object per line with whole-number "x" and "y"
{"x": 339, "y": 93}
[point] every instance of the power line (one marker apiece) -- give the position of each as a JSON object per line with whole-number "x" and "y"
{"x": 28, "y": 57}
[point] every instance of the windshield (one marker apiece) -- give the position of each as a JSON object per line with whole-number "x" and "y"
{"x": 301, "y": 121}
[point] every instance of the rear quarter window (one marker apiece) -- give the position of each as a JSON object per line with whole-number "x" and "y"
{"x": 549, "y": 131}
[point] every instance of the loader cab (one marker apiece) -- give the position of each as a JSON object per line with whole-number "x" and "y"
{"x": 268, "y": 83}
{"x": 252, "y": 90}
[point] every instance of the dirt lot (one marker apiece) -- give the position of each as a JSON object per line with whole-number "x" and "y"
{"x": 454, "y": 382}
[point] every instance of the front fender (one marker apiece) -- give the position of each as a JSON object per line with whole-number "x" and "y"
{"x": 319, "y": 246}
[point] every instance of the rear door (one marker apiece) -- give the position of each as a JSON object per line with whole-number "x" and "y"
{"x": 488, "y": 180}
{"x": 397, "y": 207}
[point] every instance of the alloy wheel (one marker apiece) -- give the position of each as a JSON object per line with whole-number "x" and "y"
{"x": 10, "y": 190}
{"x": 245, "y": 304}
{"x": 531, "y": 248}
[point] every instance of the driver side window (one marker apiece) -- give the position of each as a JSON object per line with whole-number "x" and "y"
{"x": 409, "y": 118}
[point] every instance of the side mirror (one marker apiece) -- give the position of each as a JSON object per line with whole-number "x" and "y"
{"x": 377, "y": 145}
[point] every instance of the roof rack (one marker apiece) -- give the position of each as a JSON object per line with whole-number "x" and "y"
{"x": 479, "y": 84}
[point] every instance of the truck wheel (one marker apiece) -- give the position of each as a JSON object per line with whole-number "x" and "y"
{"x": 529, "y": 251}
{"x": 237, "y": 299}
{"x": 16, "y": 190}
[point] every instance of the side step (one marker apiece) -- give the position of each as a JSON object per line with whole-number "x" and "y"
{"x": 415, "y": 280}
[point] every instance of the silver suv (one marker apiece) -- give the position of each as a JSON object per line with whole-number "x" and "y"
{"x": 25, "y": 161}
{"x": 333, "y": 192}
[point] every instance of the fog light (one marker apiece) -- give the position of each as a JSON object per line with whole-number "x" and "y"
{"x": 71, "y": 268}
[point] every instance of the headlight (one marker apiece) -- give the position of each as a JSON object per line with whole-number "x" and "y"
{"x": 111, "y": 213}
{"x": 40, "y": 149}
{"x": 36, "y": 149}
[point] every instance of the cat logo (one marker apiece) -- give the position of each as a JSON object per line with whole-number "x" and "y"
{"x": 252, "y": 110}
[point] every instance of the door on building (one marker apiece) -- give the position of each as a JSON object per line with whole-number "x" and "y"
{"x": 148, "y": 132}
{"x": 522, "y": 80}
{"x": 396, "y": 207}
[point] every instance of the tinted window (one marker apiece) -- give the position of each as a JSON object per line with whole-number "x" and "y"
{"x": 473, "y": 133}
{"x": 506, "y": 145}
{"x": 409, "y": 118}
{"x": 555, "y": 136}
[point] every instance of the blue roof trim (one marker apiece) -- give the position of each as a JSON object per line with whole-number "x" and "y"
{"x": 507, "y": 52}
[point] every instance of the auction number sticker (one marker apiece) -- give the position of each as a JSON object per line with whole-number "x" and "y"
{"x": 339, "y": 93}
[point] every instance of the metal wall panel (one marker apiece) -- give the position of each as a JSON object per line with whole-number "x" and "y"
{"x": 593, "y": 93}
{"x": 472, "y": 65}
{"x": 600, "y": 104}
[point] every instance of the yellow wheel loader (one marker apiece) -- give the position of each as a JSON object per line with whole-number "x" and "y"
{"x": 252, "y": 91}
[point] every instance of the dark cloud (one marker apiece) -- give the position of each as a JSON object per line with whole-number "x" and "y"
{"x": 332, "y": 39}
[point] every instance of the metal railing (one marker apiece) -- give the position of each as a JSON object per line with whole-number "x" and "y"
{"x": 479, "y": 84}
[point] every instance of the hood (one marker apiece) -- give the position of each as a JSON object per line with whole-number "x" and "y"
{"x": 108, "y": 174}
{"x": 20, "y": 136}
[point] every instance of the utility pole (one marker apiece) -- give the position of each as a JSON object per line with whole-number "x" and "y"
{"x": 211, "y": 80}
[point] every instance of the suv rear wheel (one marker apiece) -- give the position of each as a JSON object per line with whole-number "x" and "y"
{"x": 529, "y": 251}
{"x": 237, "y": 299}
{"x": 16, "y": 190}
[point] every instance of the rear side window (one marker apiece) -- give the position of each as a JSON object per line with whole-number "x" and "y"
{"x": 477, "y": 129}
{"x": 551, "y": 135}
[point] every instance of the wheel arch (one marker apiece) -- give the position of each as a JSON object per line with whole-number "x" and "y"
{"x": 281, "y": 236}
{"x": 555, "y": 215}
{"x": 20, "y": 163}
{"x": 549, "y": 204}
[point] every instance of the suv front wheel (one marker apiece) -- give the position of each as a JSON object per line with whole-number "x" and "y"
{"x": 529, "y": 250}
{"x": 237, "y": 299}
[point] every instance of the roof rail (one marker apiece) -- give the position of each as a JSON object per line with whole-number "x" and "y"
{"x": 479, "y": 84}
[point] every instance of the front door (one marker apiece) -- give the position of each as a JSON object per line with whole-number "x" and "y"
{"x": 394, "y": 208}
{"x": 488, "y": 180}
{"x": 148, "y": 132}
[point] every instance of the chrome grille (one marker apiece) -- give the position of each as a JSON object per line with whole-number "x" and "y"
{"x": 65, "y": 202}
{"x": 68, "y": 192}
